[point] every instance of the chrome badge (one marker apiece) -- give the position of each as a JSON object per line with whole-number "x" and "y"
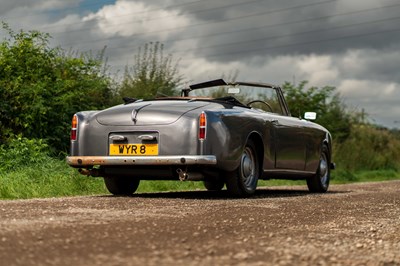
{"x": 134, "y": 115}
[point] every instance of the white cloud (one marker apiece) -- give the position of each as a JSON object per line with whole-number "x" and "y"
{"x": 319, "y": 69}
{"x": 370, "y": 90}
{"x": 359, "y": 89}
{"x": 380, "y": 100}
{"x": 199, "y": 70}
{"x": 127, "y": 18}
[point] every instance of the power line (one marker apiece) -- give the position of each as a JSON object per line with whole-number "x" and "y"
{"x": 215, "y": 22}
{"x": 270, "y": 26}
{"x": 300, "y": 43}
{"x": 293, "y": 34}
{"x": 192, "y": 12}
{"x": 280, "y": 24}
{"x": 207, "y": 23}
{"x": 218, "y": 34}
{"x": 159, "y": 9}
{"x": 294, "y": 44}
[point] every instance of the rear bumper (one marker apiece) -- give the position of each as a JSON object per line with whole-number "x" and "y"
{"x": 86, "y": 161}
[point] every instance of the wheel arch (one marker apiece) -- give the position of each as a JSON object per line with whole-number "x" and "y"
{"x": 328, "y": 143}
{"x": 259, "y": 143}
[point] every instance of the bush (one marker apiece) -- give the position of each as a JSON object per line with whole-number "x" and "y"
{"x": 42, "y": 87}
{"x": 368, "y": 148}
{"x": 21, "y": 152}
{"x": 153, "y": 74}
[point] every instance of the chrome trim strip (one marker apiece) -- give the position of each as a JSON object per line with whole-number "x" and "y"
{"x": 288, "y": 171}
{"x": 117, "y": 138}
{"x": 142, "y": 160}
{"x": 147, "y": 137}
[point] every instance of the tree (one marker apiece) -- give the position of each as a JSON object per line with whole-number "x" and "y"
{"x": 42, "y": 87}
{"x": 152, "y": 75}
{"x": 326, "y": 102}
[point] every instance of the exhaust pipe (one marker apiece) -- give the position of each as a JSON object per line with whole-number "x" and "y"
{"x": 185, "y": 176}
{"x": 90, "y": 172}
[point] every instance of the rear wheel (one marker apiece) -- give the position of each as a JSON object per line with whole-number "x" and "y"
{"x": 319, "y": 182}
{"x": 243, "y": 181}
{"x": 121, "y": 186}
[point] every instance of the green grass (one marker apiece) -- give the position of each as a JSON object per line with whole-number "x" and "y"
{"x": 154, "y": 186}
{"x": 342, "y": 176}
{"x": 54, "y": 178}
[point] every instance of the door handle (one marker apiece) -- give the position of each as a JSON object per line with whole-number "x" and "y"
{"x": 275, "y": 122}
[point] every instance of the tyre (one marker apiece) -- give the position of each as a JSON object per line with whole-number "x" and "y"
{"x": 214, "y": 185}
{"x": 243, "y": 181}
{"x": 121, "y": 186}
{"x": 319, "y": 182}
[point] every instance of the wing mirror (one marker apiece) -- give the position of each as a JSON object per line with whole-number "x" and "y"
{"x": 310, "y": 115}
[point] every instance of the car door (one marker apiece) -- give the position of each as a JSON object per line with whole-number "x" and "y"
{"x": 288, "y": 139}
{"x": 289, "y": 142}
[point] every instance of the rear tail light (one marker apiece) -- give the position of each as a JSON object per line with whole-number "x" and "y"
{"x": 74, "y": 127}
{"x": 202, "y": 126}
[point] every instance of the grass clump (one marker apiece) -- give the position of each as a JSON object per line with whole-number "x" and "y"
{"x": 52, "y": 178}
{"x": 28, "y": 171}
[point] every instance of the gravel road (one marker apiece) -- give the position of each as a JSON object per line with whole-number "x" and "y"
{"x": 357, "y": 224}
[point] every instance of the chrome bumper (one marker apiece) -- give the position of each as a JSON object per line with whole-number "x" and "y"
{"x": 84, "y": 161}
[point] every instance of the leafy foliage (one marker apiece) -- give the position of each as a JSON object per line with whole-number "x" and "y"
{"x": 20, "y": 151}
{"x": 42, "y": 87}
{"x": 331, "y": 113}
{"x": 152, "y": 75}
{"x": 368, "y": 148}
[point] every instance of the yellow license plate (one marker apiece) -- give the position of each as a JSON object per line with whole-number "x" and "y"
{"x": 134, "y": 149}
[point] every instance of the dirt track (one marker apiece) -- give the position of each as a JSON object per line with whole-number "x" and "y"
{"x": 351, "y": 225}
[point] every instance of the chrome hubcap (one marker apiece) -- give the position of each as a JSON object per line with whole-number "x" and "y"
{"x": 248, "y": 166}
{"x": 323, "y": 170}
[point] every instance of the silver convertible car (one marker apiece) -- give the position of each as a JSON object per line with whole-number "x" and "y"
{"x": 220, "y": 133}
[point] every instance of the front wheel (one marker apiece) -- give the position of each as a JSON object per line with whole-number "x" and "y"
{"x": 319, "y": 182}
{"x": 243, "y": 181}
{"x": 121, "y": 186}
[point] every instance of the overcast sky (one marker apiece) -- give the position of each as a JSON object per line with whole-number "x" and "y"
{"x": 353, "y": 45}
